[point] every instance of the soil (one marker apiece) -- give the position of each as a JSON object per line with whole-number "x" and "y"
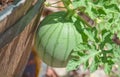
{"x": 4, "y": 4}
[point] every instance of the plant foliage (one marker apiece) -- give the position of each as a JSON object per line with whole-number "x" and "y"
{"x": 99, "y": 42}
{"x": 98, "y": 23}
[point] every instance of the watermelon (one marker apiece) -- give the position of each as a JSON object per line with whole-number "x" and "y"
{"x": 55, "y": 39}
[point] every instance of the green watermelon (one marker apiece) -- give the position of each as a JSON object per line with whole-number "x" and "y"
{"x": 55, "y": 38}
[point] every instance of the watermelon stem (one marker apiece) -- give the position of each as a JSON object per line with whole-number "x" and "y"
{"x": 69, "y": 8}
{"x": 67, "y": 4}
{"x": 80, "y": 15}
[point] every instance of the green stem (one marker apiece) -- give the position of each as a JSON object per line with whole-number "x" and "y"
{"x": 71, "y": 12}
{"x": 68, "y": 6}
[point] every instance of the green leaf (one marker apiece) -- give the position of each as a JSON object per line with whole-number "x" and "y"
{"x": 93, "y": 66}
{"x": 86, "y": 65}
{"x": 89, "y": 33}
{"x": 108, "y": 47}
{"x": 80, "y": 28}
{"x": 72, "y": 65}
{"x": 118, "y": 34}
{"x": 82, "y": 60}
{"x": 97, "y": 41}
{"x": 82, "y": 46}
{"x": 78, "y": 3}
{"x": 107, "y": 68}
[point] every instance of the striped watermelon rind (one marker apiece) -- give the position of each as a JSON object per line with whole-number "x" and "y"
{"x": 55, "y": 39}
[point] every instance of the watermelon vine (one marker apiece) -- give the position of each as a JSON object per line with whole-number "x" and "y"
{"x": 86, "y": 33}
